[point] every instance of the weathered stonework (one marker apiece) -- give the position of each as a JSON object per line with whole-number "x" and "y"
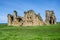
{"x": 50, "y": 17}
{"x": 30, "y": 18}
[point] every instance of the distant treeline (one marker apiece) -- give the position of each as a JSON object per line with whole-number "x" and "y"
{"x": 58, "y": 22}
{"x": 3, "y": 23}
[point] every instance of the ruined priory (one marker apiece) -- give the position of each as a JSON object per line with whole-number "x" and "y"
{"x": 30, "y": 18}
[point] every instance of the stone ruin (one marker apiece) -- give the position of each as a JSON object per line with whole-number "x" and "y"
{"x": 50, "y": 17}
{"x": 30, "y": 18}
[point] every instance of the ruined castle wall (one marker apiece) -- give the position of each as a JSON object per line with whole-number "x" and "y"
{"x": 47, "y": 16}
{"x": 10, "y": 19}
{"x": 27, "y": 19}
{"x": 50, "y": 17}
{"x": 30, "y": 18}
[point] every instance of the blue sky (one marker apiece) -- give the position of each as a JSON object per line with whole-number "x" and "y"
{"x": 39, "y": 6}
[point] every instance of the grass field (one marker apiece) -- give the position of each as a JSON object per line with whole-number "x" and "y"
{"x": 51, "y": 32}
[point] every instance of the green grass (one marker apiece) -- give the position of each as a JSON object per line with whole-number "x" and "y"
{"x": 51, "y": 32}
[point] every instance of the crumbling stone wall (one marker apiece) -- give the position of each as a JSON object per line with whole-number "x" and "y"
{"x": 30, "y": 18}
{"x": 10, "y": 19}
{"x": 50, "y": 17}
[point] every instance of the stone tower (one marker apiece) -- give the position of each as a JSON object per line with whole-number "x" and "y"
{"x": 50, "y": 17}
{"x": 15, "y": 15}
{"x": 15, "y": 22}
